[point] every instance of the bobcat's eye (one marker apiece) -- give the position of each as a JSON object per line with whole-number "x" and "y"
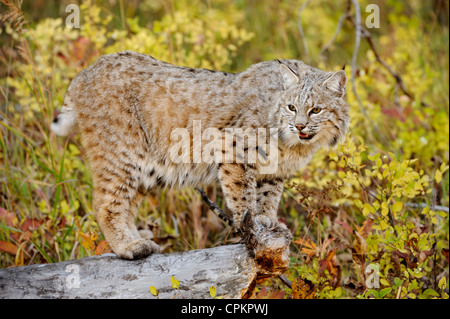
{"x": 316, "y": 110}
{"x": 292, "y": 108}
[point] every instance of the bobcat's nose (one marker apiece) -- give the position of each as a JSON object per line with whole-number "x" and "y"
{"x": 300, "y": 127}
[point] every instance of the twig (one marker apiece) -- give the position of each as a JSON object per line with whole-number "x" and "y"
{"x": 343, "y": 17}
{"x": 355, "y": 53}
{"x": 433, "y": 207}
{"x": 363, "y": 32}
{"x": 300, "y": 28}
{"x": 228, "y": 220}
{"x": 392, "y": 221}
{"x": 286, "y": 281}
{"x": 214, "y": 208}
{"x": 396, "y": 76}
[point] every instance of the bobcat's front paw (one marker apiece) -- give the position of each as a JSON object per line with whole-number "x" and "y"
{"x": 137, "y": 249}
{"x": 268, "y": 242}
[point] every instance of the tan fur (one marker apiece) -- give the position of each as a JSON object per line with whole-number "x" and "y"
{"x": 126, "y": 105}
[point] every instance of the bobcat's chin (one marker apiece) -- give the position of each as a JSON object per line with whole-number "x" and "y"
{"x": 292, "y": 138}
{"x": 307, "y": 138}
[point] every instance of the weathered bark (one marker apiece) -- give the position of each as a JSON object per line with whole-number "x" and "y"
{"x": 228, "y": 268}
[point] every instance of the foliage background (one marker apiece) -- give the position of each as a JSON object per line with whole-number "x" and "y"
{"x": 375, "y": 207}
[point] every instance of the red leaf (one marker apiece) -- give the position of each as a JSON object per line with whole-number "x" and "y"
{"x": 102, "y": 248}
{"x": 394, "y": 112}
{"x": 445, "y": 252}
{"x": 365, "y": 229}
{"x": 264, "y": 294}
{"x": 311, "y": 249}
{"x": 346, "y": 226}
{"x": 8, "y": 247}
{"x": 7, "y": 217}
{"x": 31, "y": 224}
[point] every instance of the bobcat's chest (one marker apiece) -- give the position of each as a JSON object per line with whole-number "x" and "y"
{"x": 290, "y": 161}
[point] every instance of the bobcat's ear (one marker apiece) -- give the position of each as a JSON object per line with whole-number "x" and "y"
{"x": 337, "y": 83}
{"x": 289, "y": 77}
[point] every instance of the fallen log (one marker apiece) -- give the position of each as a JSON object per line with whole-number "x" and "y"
{"x": 228, "y": 268}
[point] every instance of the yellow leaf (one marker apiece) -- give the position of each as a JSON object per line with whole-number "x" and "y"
{"x": 175, "y": 282}
{"x": 367, "y": 209}
{"x": 333, "y": 156}
{"x": 442, "y": 283}
{"x": 303, "y": 289}
{"x": 64, "y": 207}
{"x": 384, "y": 282}
{"x": 358, "y": 203}
{"x": 443, "y": 167}
{"x": 426, "y": 210}
{"x": 398, "y": 206}
{"x": 154, "y": 291}
{"x": 384, "y": 209}
{"x": 411, "y": 295}
{"x": 438, "y": 176}
{"x": 376, "y": 205}
{"x": 383, "y": 225}
{"x": 88, "y": 240}
{"x": 212, "y": 291}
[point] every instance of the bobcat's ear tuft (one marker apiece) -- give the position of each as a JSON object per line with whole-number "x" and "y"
{"x": 289, "y": 77}
{"x": 337, "y": 83}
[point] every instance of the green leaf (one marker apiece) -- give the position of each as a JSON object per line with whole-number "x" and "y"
{"x": 384, "y": 292}
{"x": 375, "y": 293}
{"x": 338, "y": 292}
{"x": 43, "y": 253}
{"x": 431, "y": 292}
{"x": 397, "y": 281}
{"x": 378, "y": 162}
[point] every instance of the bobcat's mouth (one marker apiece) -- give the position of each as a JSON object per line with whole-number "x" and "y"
{"x": 304, "y": 136}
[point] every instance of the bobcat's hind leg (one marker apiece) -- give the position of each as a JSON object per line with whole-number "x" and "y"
{"x": 116, "y": 210}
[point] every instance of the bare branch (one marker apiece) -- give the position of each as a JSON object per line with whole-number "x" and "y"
{"x": 300, "y": 28}
{"x": 363, "y": 32}
{"x": 214, "y": 208}
{"x": 355, "y": 53}
{"x": 343, "y": 17}
{"x": 396, "y": 76}
{"x": 432, "y": 207}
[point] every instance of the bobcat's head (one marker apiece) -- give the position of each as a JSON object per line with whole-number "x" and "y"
{"x": 312, "y": 107}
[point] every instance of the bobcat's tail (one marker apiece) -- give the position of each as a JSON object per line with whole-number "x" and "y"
{"x": 65, "y": 122}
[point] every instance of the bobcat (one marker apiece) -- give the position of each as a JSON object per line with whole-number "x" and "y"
{"x": 127, "y": 105}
